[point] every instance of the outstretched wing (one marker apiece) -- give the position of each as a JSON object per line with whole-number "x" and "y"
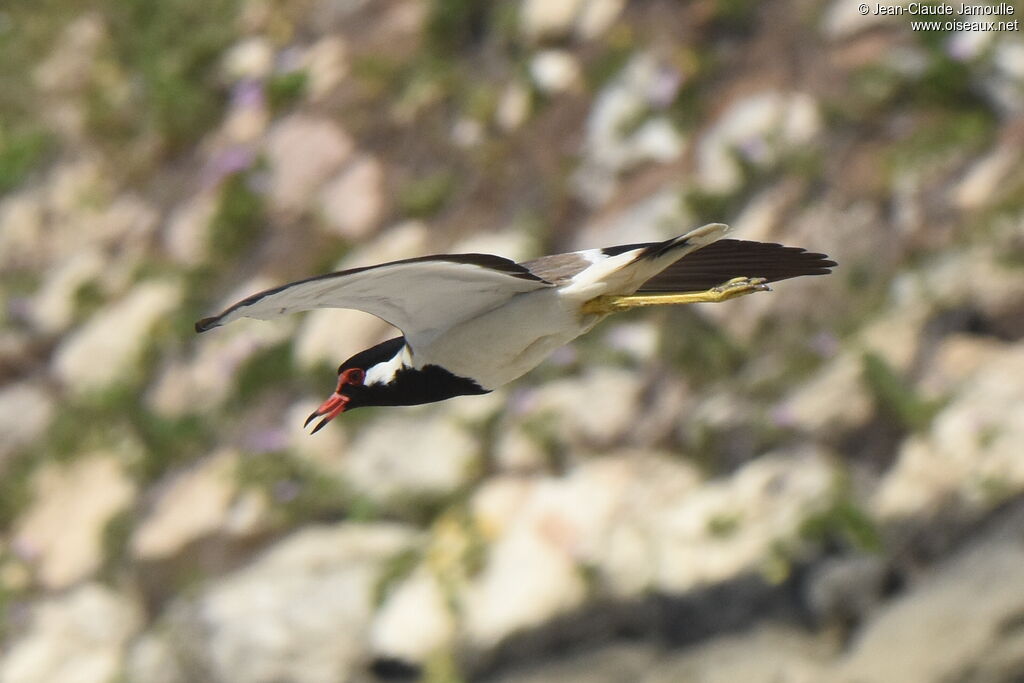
{"x": 418, "y": 296}
{"x": 725, "y": 259}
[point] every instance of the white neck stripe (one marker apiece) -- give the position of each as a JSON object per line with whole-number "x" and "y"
{"x": 384, "y": 372}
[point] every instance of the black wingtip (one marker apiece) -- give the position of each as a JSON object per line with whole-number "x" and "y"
{"x": 205, "y": 324}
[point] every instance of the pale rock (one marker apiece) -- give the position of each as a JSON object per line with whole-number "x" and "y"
{"x": 26, "y": 410}
{"x": 195, "y": 504}
{"x": 352, "y": 202}
{"x": 764, "y": 215}
{"x": 128, "y": 222}
{"x": 526, "y": 580}
{"x": 416, "y": 452}
{"x": 303, "y": 151}
{"x": 639, "y": 340}
{"x": 761, "y": 129}
{"x": 332, "y": 335}
{"x": 76, "y": 184}
{"x": 843, "y": 19}
{"x": 1008, "y": 57}
{"x": 53, "y": 305}
{"x": 964, "y": 46}
{"x": 250, "y": 59}
{"x": 984, "y": 179}
{"x": 597, "y": 16}
{"x": 69, "y": 67}
{"x": 1002, "y": 84}
{"x": 604, "y": 513}
{"x": 597, "y": 407}
{"x": 468, "y": 132}
{"x": 79, "y": 637}
{"x": 472, "y": 412}
{"x": 976, "y": 276}
{"x": 717, "y": 409}
{"x": 187, "y": 235}
{"x": 21, "y": 228}
{"x": 15, "y": 577}
{"x": 511, "y": 244}
{"x": 908, "y": 60}
{"x": 328, "y": 336}
{"x": 950, "y": 625}
{"x": 301, "y": 612}
{"x": 205, "y": 380}
{"x": 652, "y": 219}
{"x": 550, "y": 19}
{"x": 151, "y": 659}
{"x": 540, "y": 19}
{"x": 497, "y": 502}
{"x": 516, "y": 451}
{"x": 330, "y": 447}
{"x": 670, "y": 405}
{"x": 109, "y": 346}
{"x": 554, "y": 71}
{"x": 971, "y": 453}
{"x": 895, "y": 336}
{"x": 326, "y": 64}
{"x": 61, "y": 532}
{"x": 834, "y": 399}
{"x": 513, "y": 107}
{"x": 414, "y": 621}
{"x": 765, "y": 501}
{"x": 245, "y": 122}
{"x": 958, "y": 358}
{"x": 656, "y": 140}
{"x": 612, "y": 142}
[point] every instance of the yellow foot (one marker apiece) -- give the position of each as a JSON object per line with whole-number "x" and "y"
{"x": 736, "y": 287}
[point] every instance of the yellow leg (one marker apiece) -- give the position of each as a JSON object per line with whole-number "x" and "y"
{"x": 736, "y": 287}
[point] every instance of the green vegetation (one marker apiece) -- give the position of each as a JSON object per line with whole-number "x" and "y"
{"x": 300, "y": 491}
{"x": 427, "y": 195}
{"x": 20, "y": 152}
{"x": 101, "y": 419}
{"x": 454, "y": 25}
{"x": 844, "y": 520}
{"x": 393, "y": 571}
{"x": 940, "y": 134}
{"x": 267, "y": 369}
{"x": 724, "y": 524}
{"x": 117, "y": 534}
{"x": 240, "y": 218}
{"x": 442, "y": 667}
{"x": 285, "y": 89}
{"x": 171, "y": 46}
{"x": 16, "y": 487}
{"x": 895, "y": 397}
{"x": 705, "y": 352}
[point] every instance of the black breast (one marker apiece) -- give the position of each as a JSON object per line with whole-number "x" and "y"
{"x": 412, "y": 386}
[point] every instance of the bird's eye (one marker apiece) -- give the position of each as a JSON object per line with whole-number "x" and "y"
{"x": 354, "y": 376}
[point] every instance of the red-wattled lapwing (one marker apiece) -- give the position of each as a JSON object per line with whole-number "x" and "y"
{"x": 473, "y": 322}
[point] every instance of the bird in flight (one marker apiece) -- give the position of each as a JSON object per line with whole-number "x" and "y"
{"x": 473, "y": 322}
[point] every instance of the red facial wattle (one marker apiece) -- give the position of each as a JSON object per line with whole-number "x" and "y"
{"x": 335, "y": 405}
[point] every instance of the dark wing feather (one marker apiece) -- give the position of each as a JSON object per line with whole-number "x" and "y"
{"x": 725, "y": 259}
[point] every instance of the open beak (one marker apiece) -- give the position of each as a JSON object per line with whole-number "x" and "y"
{"x": 329, "y": 410}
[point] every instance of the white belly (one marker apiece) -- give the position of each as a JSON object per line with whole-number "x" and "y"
{"x": 497, "y": 347}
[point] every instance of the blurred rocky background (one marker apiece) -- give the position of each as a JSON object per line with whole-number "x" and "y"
{"x": 824, "y": 483}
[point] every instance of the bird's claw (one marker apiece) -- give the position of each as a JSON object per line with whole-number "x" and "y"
{"x": 738, "y": 286}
